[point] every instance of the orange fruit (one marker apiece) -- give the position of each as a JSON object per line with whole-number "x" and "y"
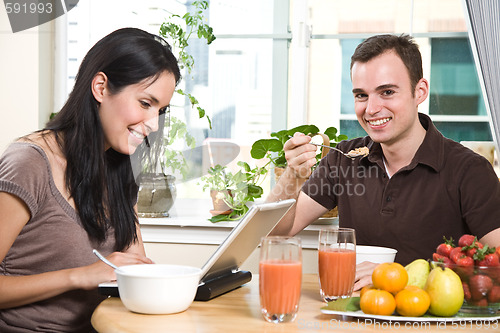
{"x": 412, "y": 301}
{"x": 378, "y": 302}
{"x": 365, "y": 289}
{"x": 391, "y": 277}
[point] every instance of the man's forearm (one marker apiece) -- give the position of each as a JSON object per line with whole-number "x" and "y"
{"x": 288, "y": 187}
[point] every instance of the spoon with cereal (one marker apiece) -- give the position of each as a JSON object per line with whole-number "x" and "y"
{"x": 352, "y": 154}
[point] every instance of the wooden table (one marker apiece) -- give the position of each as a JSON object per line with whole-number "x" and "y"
{"x": 239, "y": 311}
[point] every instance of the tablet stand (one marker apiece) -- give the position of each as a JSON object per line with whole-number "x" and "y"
{"x": 222, "y": 284}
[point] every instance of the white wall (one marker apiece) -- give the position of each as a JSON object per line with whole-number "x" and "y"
{"x": 26, "y": 79}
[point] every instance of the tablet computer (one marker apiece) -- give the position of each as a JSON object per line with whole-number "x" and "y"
{"x": 244, "y": 238}
{"x": 221, "y": 272}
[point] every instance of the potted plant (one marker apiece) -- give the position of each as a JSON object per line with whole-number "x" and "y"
{"x": 231, "y": 192}
{"x": 157, "y": 191}
{"x": 272, "y": 149}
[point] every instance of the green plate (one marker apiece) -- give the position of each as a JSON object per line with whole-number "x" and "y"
{"x": 350, "y": 307}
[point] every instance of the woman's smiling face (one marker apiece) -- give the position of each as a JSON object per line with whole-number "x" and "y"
{"x": 384, "y": 101}
{"x": 128, "y": 116}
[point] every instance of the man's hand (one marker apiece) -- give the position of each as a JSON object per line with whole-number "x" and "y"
{"x": 300, "y": 155}
{"x": 364, "y": 274}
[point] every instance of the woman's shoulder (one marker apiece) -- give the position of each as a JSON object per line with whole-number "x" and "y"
{"x": 23, "y": 153}
{"x": 29, "y": 154}
{"x": 35, "y": 147}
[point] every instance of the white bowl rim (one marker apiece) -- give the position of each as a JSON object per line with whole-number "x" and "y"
{"x": 190, "y": 271}
{"x": 374, "y": 250}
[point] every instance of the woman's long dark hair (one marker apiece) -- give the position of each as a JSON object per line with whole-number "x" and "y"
{"x": 101, "y": 182}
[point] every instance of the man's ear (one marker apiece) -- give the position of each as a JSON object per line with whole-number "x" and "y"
{"x": 99, "y": 85}
{"x": 421, "y": 90}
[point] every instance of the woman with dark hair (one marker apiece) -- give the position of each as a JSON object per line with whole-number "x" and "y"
{"x": 70, "y": 188}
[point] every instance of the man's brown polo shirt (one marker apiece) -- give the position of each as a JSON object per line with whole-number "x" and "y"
{"x": 447, "y": 190}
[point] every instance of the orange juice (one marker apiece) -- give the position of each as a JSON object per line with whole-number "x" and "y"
{"x": 280, "y": 282}
{"x": 337, "y": 270}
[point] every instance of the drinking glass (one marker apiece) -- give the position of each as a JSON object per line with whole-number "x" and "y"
{"x": 280, "y": 278}
{"x": 337, "y": 263}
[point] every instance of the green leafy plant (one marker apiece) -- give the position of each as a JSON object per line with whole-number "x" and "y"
{"x": 180, "y": 29}
{"x": 272, "y": 148}
{"x": 238, "y": 188}
{"x": 174, "y": 160}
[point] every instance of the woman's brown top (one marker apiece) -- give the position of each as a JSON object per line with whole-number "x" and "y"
{"x": 53, "y": 239}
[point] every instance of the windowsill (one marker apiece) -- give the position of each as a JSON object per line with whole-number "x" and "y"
{"x": 188, "y": 224}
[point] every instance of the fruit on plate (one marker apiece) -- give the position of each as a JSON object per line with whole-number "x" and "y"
{"x": 377, "y": 302}
{"x": 445, "y": 290}
{"x": 412, "y": 301}
{"x": 365, "y": 289}
{"x": 391, "y": 277}
{"x": 418, "y": 271}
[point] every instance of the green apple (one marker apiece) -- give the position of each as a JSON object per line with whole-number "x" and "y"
{"x": 418, "y": 271}
{"x": 445, "y": 289}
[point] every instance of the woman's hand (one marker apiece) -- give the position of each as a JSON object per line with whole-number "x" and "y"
{"x": 300, "y": 155}
{"x": 364, "y": 272}
{"x": 89, "y": 277}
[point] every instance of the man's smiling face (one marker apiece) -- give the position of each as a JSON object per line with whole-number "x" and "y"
{"x": 384, "y": 101}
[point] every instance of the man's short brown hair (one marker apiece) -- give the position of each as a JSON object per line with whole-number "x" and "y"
{"x": 404, "y": 46}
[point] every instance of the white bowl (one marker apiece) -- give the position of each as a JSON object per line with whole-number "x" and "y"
{"x": 376, "y": 254}
{"x": 157, "y": 289}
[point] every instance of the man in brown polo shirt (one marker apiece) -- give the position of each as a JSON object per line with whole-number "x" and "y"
{"x": 414, "y": 187}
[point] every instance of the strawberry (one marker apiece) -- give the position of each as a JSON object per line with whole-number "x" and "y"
{"x": 494, "y": 273}
{"x": 487, "y": 256}
{"x": 489, "y": 260}
{"x": 481, "y": 302}
{"x": 494, "y": 295}
{"x": 467, "y": 294}
{"x": 480, "y": 285}
{"x": 457, "y": 253}
{"x": 445, "y": 248}
{"x": 466, "y": 240}
{"x": 465, "y": 261}
{"x": 472, "y": 249}
{"x": 442, "y": 259}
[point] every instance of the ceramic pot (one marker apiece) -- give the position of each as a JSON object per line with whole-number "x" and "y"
{"x": 220, "y": 206}
{"x": 157, "y": 193}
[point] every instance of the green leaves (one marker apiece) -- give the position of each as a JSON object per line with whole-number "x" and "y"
{"x": 194, "y": 24}
{"x": 174, "y": 160}
{"x": 272, "y": 149}
{"x": 194, "y": 103}
{"x": 261, "y": 147}
{"x": 174, "y": 30}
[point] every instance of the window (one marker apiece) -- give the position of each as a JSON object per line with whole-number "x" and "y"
{"x": 240, "y": 80}
{"x": 247, "y": 79}
{"x": 455, "y": 91}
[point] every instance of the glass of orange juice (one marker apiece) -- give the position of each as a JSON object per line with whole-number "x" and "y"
{"x": 337, "y": 263}
{"x": 280, "y": 278}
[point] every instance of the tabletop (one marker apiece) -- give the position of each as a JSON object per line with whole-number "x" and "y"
{"x": 239, "y": 311}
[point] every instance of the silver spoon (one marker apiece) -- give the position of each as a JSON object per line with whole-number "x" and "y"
{"x": 103, "y": 259}
{"x": 340, "y": 151}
